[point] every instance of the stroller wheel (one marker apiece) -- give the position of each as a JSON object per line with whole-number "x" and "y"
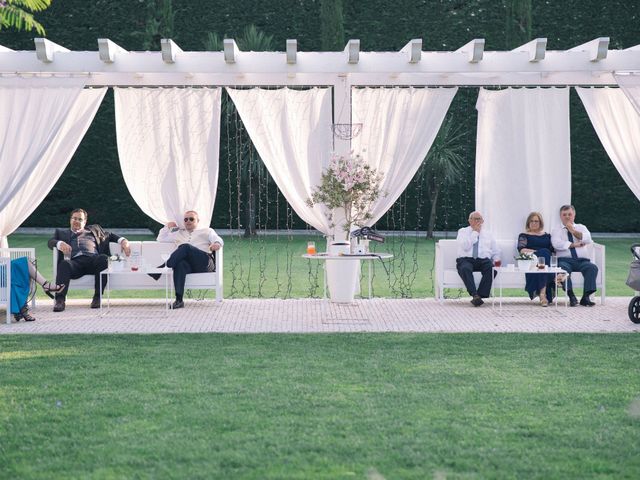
{"x": 634, "y": 310}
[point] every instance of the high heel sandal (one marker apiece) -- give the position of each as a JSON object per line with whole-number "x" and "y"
{"x": 24, "y": 313}
{"x": 49, "y": 289}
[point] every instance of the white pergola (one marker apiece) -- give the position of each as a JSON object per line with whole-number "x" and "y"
{"x": 531, "y": 64}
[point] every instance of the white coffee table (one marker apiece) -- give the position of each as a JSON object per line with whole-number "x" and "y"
{"x": 504, "y": 272}
{"x": 323, "y": 256}
{"x": 166, "y": 273}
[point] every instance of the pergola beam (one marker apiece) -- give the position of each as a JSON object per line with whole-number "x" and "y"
{"x": 169, "y": 50}
{"x": 536, "y": 49}
{"x": 414, "y": 49}
{"x": 474, "y": 49}
{"x": 108, "y": 50}
{"x": 46, "y": 49}
{"x": 231, "y": 50}
{"x": 5, "y": 49}
{"x": 597, "y": 49}
{"x": 292, "y": 51}
{"x": 353, "y": 51}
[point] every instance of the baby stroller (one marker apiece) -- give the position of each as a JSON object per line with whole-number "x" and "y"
{"x": 634, "y": 282}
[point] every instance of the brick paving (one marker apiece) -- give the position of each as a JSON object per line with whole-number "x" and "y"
{"x": 321, "y": 316}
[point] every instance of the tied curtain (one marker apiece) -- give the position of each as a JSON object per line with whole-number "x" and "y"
{"x": 617, "y": 124}
{"x": 630, "y": 85}
{"x": 398, "y": 127}
{"x": 523, "y": 157}
{"x": 50, "y": 153}
{"x": 31, "y": 118}
{"x": 168, "y": 144}
{"x": 291, "y": 130}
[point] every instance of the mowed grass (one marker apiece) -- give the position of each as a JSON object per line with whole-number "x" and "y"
{"x": 394, "y": 406}
{"x": 272, "y": 266}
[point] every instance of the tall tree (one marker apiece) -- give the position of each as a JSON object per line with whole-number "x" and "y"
{"x": 18, "y": 14}
{"x": 160, "y": 18}
{"x": 331, "y": 25}
{"x": 518, "y": 22}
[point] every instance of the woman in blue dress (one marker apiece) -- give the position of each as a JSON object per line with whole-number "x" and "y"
{"x": 535, "y": 240}
{"x": 22, "y": 271}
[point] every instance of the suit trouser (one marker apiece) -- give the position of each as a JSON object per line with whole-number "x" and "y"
{"x": 583, "y": 265}
{"x": 467, "y": 265}
{"x": 187, "y": 259}
{"x": 80, "y": 266}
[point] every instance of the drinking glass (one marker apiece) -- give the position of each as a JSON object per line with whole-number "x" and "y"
{"x": 541, "y": 263}
{"x": 554, "y": 261}
{"x": 311, "y": 248}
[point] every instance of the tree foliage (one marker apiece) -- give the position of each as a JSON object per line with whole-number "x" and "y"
{"x": 18, "y": 14}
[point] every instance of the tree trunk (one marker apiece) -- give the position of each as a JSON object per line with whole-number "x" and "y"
{"x": 432, "y": 214}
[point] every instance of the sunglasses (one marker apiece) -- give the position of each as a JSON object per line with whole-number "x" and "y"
{"x": 189, "y": 219}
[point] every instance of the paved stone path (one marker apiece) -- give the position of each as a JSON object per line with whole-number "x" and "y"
{"x": 321, "y": 316}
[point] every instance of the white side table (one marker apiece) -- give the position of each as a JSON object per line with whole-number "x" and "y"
{"x": 506, "y": 275}
{"x": 323, "y": 256}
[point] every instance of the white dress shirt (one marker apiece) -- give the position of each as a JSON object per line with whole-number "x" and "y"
{"x": 487, "y": 247}
{"x": 200, "y": 238}
{"x": 560, "y": 241}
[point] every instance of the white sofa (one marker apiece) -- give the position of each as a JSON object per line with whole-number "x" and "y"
{"x": 446, "y": 274}
{"x": 150, "y": 256}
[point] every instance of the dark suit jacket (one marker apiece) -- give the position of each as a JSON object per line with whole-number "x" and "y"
{"x": 102, "y": 238}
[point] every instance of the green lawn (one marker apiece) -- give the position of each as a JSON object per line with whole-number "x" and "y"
{"x": 454, "y": 406}
{"x": 270, "y": 266}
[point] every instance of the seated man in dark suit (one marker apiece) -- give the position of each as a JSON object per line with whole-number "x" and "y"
{"x": 87, "y": 252}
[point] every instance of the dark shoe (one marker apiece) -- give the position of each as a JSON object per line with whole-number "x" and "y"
{"x": 585, "y": 302}
{"x": 155, "y": 276}
{"x": 95, "y": 302}
{"x": 476, "y": 301}
{"x": 573, "y": 301}
{"x": 59, "y": 305}
{"x": 177, "y": 304}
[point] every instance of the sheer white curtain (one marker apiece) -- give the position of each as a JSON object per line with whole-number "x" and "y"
{"x": 291, "y": 130}
{"x": 617, "y": 124}
{"x": 523, "y": 157}
{"x": 398, "y": 128}
{"x": 168, "y": 144}
{"x": 32, "y": 113}
{"x": 630, "y": 84}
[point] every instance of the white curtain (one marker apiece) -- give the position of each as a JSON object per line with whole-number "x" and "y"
{"x": 630, "y": 84}
{"x": 168, "y": 144}
{"x": 32, "y": 114}
{"x": 617, "y": 124}
{"x": 51, "y": 164}
{"x": 523, "y": 157}
{"x": 398, "y": 128}
{"x": 291, "y": 130}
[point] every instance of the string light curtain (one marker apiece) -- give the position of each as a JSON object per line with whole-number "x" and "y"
{"x": 291, "y": 130}
{"x": 617, "y": 124}
{"x": 523, "y": 157}
{"x": 168, "y": 144}
{"x": 53, "y": 155}
{"x": 398, "y": 127}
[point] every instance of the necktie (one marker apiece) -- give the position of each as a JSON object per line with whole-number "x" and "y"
{"x": 574, "y": 254}
{"x": 475, "y": 249}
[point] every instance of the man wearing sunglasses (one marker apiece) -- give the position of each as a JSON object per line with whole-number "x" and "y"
{"x": 84, "y": 251}
{"x": 195, "y": 252}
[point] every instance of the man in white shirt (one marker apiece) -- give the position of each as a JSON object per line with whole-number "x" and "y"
{"x": 569, "y": 242}
{"x": 477, "y": 252}
{"x": 195, "y": 252}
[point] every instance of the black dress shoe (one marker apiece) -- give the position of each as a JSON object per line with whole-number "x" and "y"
{"x": 573, "y": 301}
{"x": 585, "y": 302}
{"x": 476, "y": 301}
{"x": 177, "y": 304}
{"x": 59, "y": 305}
{"x": 95, "y": 302}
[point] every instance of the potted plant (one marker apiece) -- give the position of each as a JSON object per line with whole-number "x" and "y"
{"x": 525, "y": 261}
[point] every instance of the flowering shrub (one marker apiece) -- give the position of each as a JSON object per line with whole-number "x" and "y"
{"x": 351, "y": 184}
{"x": 524, "y": 256}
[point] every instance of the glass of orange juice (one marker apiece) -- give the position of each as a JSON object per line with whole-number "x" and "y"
{"x": 311, "y": 248}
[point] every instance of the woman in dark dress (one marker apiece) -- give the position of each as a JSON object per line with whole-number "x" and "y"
{"x": 535, "y": 240}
